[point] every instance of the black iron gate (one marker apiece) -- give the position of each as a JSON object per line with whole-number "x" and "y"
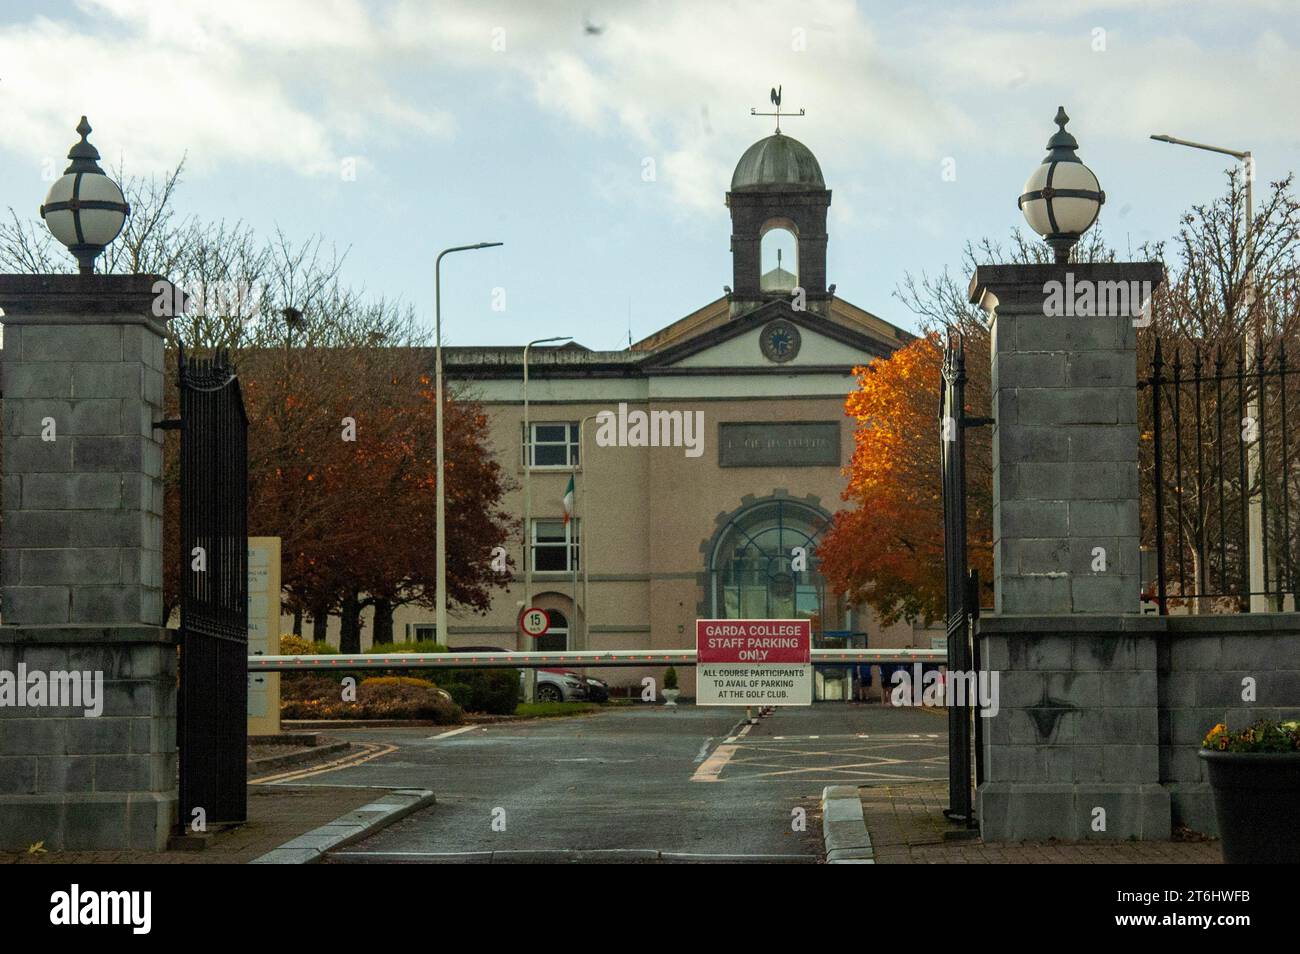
{"x": 961, "y": 583}
{"x": 212, "y": 732}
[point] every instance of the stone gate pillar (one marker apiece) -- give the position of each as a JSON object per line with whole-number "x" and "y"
{"x": 83, "y": 768}
{"x": 1065, "y": 435}
{"x": 1073, "y": 751}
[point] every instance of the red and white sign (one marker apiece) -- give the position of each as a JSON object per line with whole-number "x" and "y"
{"x": 753, "y": 662}
{"x": 535, "y": 622}
{"x": 753, "y": 640}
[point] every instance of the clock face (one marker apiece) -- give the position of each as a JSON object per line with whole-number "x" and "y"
{"x": 779, "y": 341}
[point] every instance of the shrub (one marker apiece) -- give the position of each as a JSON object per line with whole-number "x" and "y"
{"x": 291, "y": 645}
{"x": 670, "y": 678}
{"x": 320, "y": 697}
{"x": 300, "y": 686}
{"x": 494, "y": 691}
{"x": 396, "y": 681}
{"x": 400, "y": 701}
{"x": 392, "y": 649}
{"x": 498, "y": 691}
{"x": 423, "y": 646}
{"x": 460, "y": 693}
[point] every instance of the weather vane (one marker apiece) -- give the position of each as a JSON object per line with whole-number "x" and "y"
{"x": 776, "y": 101}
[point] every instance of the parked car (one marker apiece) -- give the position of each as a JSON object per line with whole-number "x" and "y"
{"x": 597, "y": 689}
{"x": 560, "y": 685}
{"x": 554, "y": 685}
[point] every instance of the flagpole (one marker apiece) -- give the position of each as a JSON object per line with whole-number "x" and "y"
{"x": 586, "y": 557}
{"x": 581, "y": 460}
{"x": 574, "y": 555}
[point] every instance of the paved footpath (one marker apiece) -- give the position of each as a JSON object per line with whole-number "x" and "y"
{"x": 907, "y": 827}
{"x": 276, "y": 815}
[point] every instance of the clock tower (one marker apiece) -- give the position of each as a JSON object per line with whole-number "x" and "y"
{"x": 778, "y": 185}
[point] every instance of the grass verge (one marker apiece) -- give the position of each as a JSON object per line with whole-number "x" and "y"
{"x": 546, "y": 710}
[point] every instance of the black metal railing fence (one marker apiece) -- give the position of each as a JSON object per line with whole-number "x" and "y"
{"x": 1219, "y": 475}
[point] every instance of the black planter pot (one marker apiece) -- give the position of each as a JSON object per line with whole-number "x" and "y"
{"x": 1257, "y": 803}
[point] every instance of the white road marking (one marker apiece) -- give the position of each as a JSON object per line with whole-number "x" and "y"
{"x": 448, "y": 734}
{"x": 704, "y": 751}
{"x": 714, "y": 764}
{"x": 366, "y": 752}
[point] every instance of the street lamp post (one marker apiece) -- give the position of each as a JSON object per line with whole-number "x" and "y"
{"x": 441, "y": 520}
{"x": 1255, "y": 507}
{"x": 530, "y": 681}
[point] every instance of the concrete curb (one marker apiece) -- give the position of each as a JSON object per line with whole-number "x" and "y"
{"x": 844, "y": 830}
{"x": 272, "y": 762}
{"x": 347, "y": 829}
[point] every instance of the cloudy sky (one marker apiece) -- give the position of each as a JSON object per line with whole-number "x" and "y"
{"x": 533, "y": 123}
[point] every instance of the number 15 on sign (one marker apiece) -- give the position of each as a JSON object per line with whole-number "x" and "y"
{"x": 534, "y": 622}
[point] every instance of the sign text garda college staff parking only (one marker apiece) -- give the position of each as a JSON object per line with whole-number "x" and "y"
{"x": 753, "y": 662}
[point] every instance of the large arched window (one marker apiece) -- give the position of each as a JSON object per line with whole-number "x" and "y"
{"x": 751, "y": 567}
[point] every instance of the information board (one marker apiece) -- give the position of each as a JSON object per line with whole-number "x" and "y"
{"x": 753, "y": 662}
{"x": 263, "y": 633}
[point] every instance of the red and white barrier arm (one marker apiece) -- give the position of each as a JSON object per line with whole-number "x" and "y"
{"x": 588, "y": 659}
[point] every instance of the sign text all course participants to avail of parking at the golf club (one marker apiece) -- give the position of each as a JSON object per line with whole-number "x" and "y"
{"x": 753, "y": 662}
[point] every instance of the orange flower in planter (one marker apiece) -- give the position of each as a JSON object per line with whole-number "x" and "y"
{"x": 1216, "y": 738}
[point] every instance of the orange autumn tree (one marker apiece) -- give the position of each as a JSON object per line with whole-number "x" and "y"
{"x": 887, "y": 551}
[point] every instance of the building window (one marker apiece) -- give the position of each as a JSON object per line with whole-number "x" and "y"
{"x": 555, "y": 546}
{"x": 418, "y": 632}
{"x": 751, "y": 568}
{"x": 556, "y": 639}
{"x": 553, "y": 445}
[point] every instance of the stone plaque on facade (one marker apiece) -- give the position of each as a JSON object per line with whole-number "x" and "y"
{"x": 784, "y": 444}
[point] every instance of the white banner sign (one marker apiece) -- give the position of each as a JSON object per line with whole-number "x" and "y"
{"x": 753, "y": 662}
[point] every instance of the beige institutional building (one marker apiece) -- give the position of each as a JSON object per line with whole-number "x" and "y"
{"x": 706, "y": 457}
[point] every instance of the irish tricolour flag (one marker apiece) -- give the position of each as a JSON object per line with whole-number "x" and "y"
{"x": 568, "y": 502}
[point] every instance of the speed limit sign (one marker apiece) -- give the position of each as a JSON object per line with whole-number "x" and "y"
{"x": 535, "y": 622}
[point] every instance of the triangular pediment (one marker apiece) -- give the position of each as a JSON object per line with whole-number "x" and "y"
{"x": 739, "y": 343}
